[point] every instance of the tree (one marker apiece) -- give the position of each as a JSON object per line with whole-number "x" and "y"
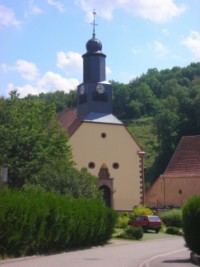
{"x": 121, "y": 99}
{"x": 145, "y": 96}
{"x": 60, "y": 99}
{"x": 166, "y": 123}
{"x": 35, "y": 148}
{"x": 32, "y": 139}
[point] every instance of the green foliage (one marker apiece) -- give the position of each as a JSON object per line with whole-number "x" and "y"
{"x": 172, "y": 230}
{"x": 129, "y": 232}
{"x": 191, "y": 223}
{"x": 34, "y": 222}
{"x": 144, "y": 132}
{"x": 132, "y": 232}
{"x": 33, "y": 141}
{"x": 140, "y": 210}
{"x": 36, "y": 149}
{"x": 122, "y": 221}
{"x": 59, "y": 99}
{"x": 172, "y": 218}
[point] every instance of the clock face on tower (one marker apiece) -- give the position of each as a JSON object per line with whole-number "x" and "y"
{"x": 100, "y": 88}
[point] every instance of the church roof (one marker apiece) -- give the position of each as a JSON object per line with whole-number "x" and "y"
{"x": 186, "y": 158}
{"x": 70, "y": 121}
{"x": 102, "y": 118}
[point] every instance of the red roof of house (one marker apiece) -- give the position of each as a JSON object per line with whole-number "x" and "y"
{"x": 186, "y": 158}
{"x": 69, "y": 120}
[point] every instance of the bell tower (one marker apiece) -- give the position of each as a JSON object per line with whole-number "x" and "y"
{"x": 95, "y": 93}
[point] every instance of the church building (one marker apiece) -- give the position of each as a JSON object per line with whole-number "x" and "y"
{"x": 100, "y": 142}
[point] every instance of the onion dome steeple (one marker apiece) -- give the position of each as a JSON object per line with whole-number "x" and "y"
{"x": 94, "y": 59}
{"x": 94, "y": 45}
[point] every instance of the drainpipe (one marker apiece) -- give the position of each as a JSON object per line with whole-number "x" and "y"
{"x": 142, "y": 193}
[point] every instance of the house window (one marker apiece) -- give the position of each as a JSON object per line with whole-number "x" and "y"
{"x": 91, "y": 165}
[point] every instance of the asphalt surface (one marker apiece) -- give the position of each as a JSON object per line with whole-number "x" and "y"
{"x": 118, "y": 253}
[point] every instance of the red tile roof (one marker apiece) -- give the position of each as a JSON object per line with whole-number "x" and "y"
{"x": 186, "y": 158}
{"x": 69, "y": 120}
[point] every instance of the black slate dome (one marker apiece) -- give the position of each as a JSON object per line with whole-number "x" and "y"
{"x": 94, "y": 45}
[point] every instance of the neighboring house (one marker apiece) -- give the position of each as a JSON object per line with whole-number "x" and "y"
{"x": 100, "y": 142}
{"x": 181, "y": 178}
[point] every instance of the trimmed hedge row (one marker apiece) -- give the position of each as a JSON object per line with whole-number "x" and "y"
{"x": 172, "y": 218}
{"x": 32, "y": 223}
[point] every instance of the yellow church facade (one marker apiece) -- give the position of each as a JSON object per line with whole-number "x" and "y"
{"x": 98, "y": 146}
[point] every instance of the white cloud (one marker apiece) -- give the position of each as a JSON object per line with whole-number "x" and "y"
{"x": 70, "y": 62}
{"x": 57, "y": 5}
{"x": 108, "y": 70}
{"x": 7, "y": 17}
{"x": 50, "y": 82}
{"x": 35, "y": 10}
{"x": 160, "y": 49}
{"x": 192, "y": 42}
{"x": 24, "y": 90}
{"x": 157, "y": 11}
{"x": 27, "y": 70}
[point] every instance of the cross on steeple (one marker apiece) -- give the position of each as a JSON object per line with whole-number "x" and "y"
{"x": 93, "y": 23}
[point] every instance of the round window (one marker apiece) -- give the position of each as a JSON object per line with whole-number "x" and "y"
{"x": 115, "y": 165}
{"x": 91, "y": 165}
{"x": 103, "y": 135}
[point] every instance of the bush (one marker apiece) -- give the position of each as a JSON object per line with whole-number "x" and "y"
{"x": 172, "y": 218}
{"x": 191, "y": 223}
{"x": 172, "y": 230}
{"x": 140, "y": 210}
{"x": 122, "y": 221}
{"x": 34, "y": 222}
{"x": 132, "y": 232}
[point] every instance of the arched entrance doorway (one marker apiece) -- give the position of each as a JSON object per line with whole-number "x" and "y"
{"x": 105, "y": 184}
{"x": 106, "y": 195}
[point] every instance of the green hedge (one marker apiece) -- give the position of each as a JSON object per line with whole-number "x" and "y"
{"x": 191, "y": 223}
{"x": 38, "y": 222}
{"x": 132, "y": 232}
{"x": 172, "y": 230}
{"x": 172, "y": 218}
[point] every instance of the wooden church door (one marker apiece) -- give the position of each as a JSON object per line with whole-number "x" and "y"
{"x": 106, "y": 195}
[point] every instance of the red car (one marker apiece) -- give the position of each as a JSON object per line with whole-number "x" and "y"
{"x": 147, "y": 222}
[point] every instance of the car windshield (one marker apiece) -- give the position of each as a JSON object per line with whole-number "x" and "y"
{"x": 153, "y": 218}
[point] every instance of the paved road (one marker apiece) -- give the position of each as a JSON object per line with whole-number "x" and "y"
{"x": 157, "y": 253}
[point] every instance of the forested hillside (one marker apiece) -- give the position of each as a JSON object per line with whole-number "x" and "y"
{"x": 158, "y": 107}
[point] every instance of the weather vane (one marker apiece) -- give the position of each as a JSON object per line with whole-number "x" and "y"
{"x": 93, "y": 23}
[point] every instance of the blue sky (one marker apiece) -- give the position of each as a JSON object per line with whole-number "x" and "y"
{"x": 42, "y": 41}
